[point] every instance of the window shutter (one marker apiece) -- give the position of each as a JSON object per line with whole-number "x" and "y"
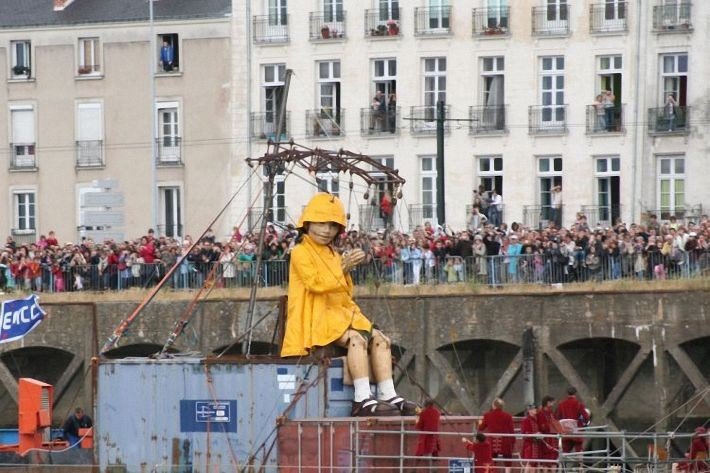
{"x": 23, "y": 126}
{"x": 89, "y": 127}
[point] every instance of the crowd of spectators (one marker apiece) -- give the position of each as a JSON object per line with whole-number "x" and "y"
{"x": 482, "y": 253}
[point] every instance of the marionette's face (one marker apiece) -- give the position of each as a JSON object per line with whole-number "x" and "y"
{"x": 323, "y": 232}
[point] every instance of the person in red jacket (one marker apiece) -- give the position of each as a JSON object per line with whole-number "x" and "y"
{"x": 497, "y": 421}
{"x": 531, "y": 443}
{"x": 482, "y": 452}
{"x": 428, "y": 424}
{"x": 698, "y": 452}
{"x": 549, "y": 425}
{"x": 572, "y": 409}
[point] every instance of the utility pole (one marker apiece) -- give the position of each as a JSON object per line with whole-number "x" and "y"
{"x": 528, "y": 365}
{"x": 154, "y": 125}
{"x": 440, "y": 190}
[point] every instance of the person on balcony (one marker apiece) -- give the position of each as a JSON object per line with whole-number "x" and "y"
{"x": 378, "y": 112}
{"x": 495, "y": 208}
{"x": 322, "y": 312}
{"x": 608, "y": 98}
{"x": 556, "y": 205}
{"x": 670, "y": 111}
{"x": 392, "y": 112}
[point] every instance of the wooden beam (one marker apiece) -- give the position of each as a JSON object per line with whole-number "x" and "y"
{"x": 9, "y": 381}
{"x": 503, "y": 382}
{"x": 65, "y": 380}
{"x": 624, "y": 381}
{"x": 691, "y": 370}
{"x": 452, "y": 380}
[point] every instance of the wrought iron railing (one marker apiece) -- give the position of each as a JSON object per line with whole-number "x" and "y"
{"x": 22, "y": 156}
{"x": 169, "y": 151}
{"x": 608, "y": 17}
{"x": 491, "y": 21}
{"x": 602, "y": 119}
{"x": 371, "y": 218}
{"x": 432, "y": 21}
{"x": 422, "y": 119}
{"x": 547, "y": 119}
{"x": 541, "y": 216}
{"x": 89, "y": 153}
{"x": 674, "y": 119}
{"x": 264, "y": 125}
{"x": 683, "y": 214}
{"x": 270, "y": 29}
{"x": 672, "y": 18}
{"x": 420, "y": 213}
{"x": 486, "y": 119}
{"x": 325, "y": 123}
{"x": 380, "y": 23}
{"x": 379, "y": 122}
{"x": 602, "y": 215}
{"x": 326, "y": 26}
{"x": 497, "y": 219}
{"x": 551, "y": 20}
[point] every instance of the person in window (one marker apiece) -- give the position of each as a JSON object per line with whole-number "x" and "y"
{"x": 608, "y": 98}
{"x": 167, "y": 57}
{"x": 670, "y": 111}
{"x": 392, "y": 112}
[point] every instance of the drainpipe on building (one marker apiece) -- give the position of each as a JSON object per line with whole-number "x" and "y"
{"x": 638, "y": 128}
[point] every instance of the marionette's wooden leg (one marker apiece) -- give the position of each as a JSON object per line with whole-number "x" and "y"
{"x": 380, "y": 356}
{"x": 356, "y": 345}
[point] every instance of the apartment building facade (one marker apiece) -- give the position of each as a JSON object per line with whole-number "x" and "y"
{"x": 603, "y": 98}
{"x": 100, "y": 106}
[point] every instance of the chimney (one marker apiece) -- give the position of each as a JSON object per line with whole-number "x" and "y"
{"x": 60, "y": 5}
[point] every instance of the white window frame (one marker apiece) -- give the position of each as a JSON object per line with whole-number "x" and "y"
{"x": 615, "y": 66}
{"x": 491, "y": 67}
{"x": 278, "y": 199}
{"x": 277, "y": 12}
{"x": 26, "y": 225}
{"x": 672, "y": 18}
{"x": 489, "y": 178}
{"x": 674, "y": 177}
{"x": 170, "y": 144}
{"x": 431, "y": 95}
{"x": 333, "y": 13}
{"x": 88, "y": 146}
{"x": 388, "y": 9}
{"x": 556, "y": 7}
{"x": 612, "y": 168}
{"x": 437, "y": 16}
{"x": 27, "y": 48}
{"x": 674, "y": 77}
{"x": 329, "y": 96}
{"x": 618, "y": 9}
{"x": 28, "y": 148}
{"x": 428, "y": 208}
{"x": 176, "y": 40}
{"x": 270, "y": 88}
{"x": 555, "y": 107}
{"x": 550, "y": 176}
{"x": 177, "y": 213}
{"x": 91, "y": 47}
{"x": 328, "y": 182}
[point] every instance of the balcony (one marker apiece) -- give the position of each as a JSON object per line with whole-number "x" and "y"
{"x": 89, "y": 153}
{"x": 169, "y": 149}
{"x": 264, "y": 124}
{"x": 550, "y": 20}
{"x": 326, "y": 26}
{"x": 547, "y": 119}
{"x": 423, "y": 119}
{"x": 379, "y": 123}
{"x": 432, "y": 21}
{"x": 672, "y": 18}
{"x": 684, "y": 214}
{"x": 605, "y": 119}
{"x": 380, "y": 24}
{"x": 420, "y": 213}
{"x": 325, "y": 123}
{"x": 371, "y": 218}
{"x": 491, "y": 22}
{"x": 269, "y": 29}
{"x": 608, "y": 18}
{"x": 668, "y": 121}
{"x": 22, "y": 157}
{"x": 541, "y": 216}
{"x": 469, "y": 211}
{"x": 487, "y": 119}
{"x": 601, "y": 215}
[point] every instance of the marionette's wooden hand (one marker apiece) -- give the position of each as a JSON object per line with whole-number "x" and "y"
{"x": 352, "y": 258}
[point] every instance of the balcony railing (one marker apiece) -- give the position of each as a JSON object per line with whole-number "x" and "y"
{"x": 372, "y": 219}
{"x": 672, "y": 18}
{"x": 551, "y": 20}
{"x": 420, "y": 213}
{"x": 169, "y": 151}
{"x": 264, "y": 124}
{"x": 326, "y": 26}
{"x": 684, "y": 214}
{"x": 542, "y": 216}
{"x": 22, "y": 156}
{"x": 89, "y": 153}
{"x": 380, "y": 24}
{"x": 547, "y": 119}
{"x": 608, "y": 18}
{"x": 487, "y": 119}
{"x": 669, "y": 120}
{"x": 499, "y": 215}
{"x": 602, "y": 119}
{"x": 379, "y": 123}
{"x": 491, "y": 21}
{"x": 325, "y": 123}
{"x": 601, "y": 215}
{"x": 423, "y": 119}
{"x": 432, "y": 21}
{"x": 88, "y": 69}
{"x": 270, "y": 29}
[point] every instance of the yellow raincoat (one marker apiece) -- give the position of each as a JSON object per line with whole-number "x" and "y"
{"x": 320, "y": 303}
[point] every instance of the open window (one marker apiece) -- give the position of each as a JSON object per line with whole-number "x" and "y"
{"x": 168, "y": 53}
{"x": 21, "y": 60}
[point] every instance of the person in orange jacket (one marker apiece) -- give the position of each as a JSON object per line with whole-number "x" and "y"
{"x": 321, "y": 310}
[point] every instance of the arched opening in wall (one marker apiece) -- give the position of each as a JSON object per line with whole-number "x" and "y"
{"x": 257, "y": 348}
{"x": 479, "y": 365}
{"x": 138, "y": 350}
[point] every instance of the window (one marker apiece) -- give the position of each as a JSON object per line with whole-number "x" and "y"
{"x": 614, "y": 10}
{"x": 549, "y": 173}
{"x": 89, "y": 134}
{"x": 439, "y": 14}
{"x": 492, "y": 115}
{"x": 610, "y": 70}
{"x": 278, "y": 12}
{"x": 89, "y": 56}
{"x": 168, "y": 53}
{"x": 22, "y": 118}
{"x": 328, "y": 182}
{"x": 278, "y": 202}
{"x": 671, "y": 185}
{"x": 170, "y": 211}
{"x": 608, "y": 199}
{"x": 21, "y": 67}
{"x": 556, "y": 10}
{"x": 384, "y": 80}
{"x": 329, "y": 94}
{"x": 428, "y": 187}
{"x": 434, "y": 85}
{"x": 25, "y": 211}
{"x": 673, "y": 14}
{"x": 389, "y": 10}
{"x": 497, "y": 14}
{"x": 333, "y": 11}
{"x": 552, "y": 91}
{"x": 674, "y": 77}
{"x": 168, "y": 135}
{"x": 490, "y": 173}
{"x": 272, "y": 86}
